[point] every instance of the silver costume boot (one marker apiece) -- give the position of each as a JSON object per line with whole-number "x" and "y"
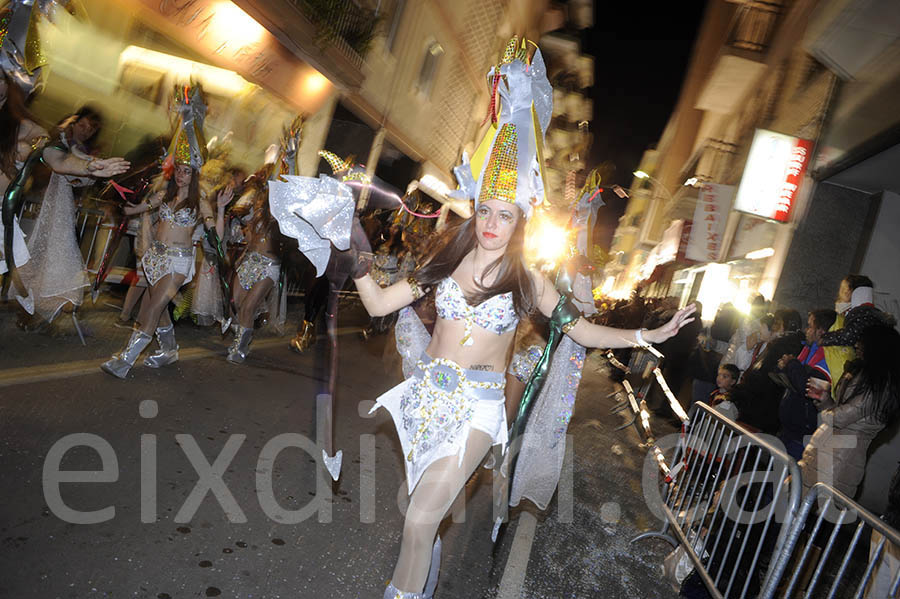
{"x": 121, "y": 363}
{"x": 240, "y": 346}
{"x": 168, "y": 349}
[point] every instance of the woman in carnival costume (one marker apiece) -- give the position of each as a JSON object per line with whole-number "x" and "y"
{"x": 168, "y": 263}
{"x": 450, "y": 411}
{"x": 258, "y": 271}
{"x": 55, "y": 275}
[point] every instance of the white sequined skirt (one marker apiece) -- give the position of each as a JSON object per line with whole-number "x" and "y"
{"x": 160, "y": 260}
{"x": 255, "y": 267}
{"x": 20, "y": 249}
{"x": 434, "y": 410}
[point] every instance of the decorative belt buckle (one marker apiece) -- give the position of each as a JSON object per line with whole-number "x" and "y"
{"x": 444, "y": 377}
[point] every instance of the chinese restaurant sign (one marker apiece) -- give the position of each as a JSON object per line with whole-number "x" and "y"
{"x": 708, "y": 226}
{"x": 772, "y": 175}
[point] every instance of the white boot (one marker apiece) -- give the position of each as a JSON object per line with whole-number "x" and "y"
{"x": 121, "y": 363}
{"x": 240, "y": 346}
{"x": 168, "y": 349}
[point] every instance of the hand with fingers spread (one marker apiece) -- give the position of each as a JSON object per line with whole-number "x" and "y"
{"x": 108, "y": 167}
{"x": 671, "y": 328}
{"x": 224, "y": 197}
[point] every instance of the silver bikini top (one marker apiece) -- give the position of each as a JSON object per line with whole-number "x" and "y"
{"x": 185, "y": 217}
{"x": 496, "y": 314}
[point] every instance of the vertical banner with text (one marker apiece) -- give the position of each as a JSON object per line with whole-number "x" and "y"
{"x": 708, "y": 226}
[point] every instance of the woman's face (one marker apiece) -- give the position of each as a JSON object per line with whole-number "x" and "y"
{"x": 182, "y": 175}
{"x": 495, "y": 222}
{"x": 4, "y": 89}
{"x": 844, "y": 292}
{"x": 83, "y": 129}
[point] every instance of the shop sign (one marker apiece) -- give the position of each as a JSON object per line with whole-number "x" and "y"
{"x": 773, "y": 174}
{"x": 708, "y": 226}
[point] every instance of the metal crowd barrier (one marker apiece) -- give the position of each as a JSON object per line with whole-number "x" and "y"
{"x": 729, "y": 498}
{"x": 646, "y": 361}
{"x": 820, "y": 549}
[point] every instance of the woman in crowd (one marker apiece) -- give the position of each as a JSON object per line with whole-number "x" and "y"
{"x": 258, "y": 269}
{"x": 55, "y": 274}
{"x": 168, "y": 263}
{"x": 482, "y": 291}
{"x": 451, "y": 410}
{"x": 867, "y": 399}
{"x": 18, "y": 135}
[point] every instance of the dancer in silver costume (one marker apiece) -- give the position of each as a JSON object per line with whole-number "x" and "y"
{"x": 168, "y": 263}
{"x": 258, "y": 269}
{"x": 450, "y": 411}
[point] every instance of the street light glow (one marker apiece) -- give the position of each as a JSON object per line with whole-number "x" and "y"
{"x": 758, "y": 254}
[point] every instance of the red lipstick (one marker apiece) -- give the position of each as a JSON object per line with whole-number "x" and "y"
{"x": 489, "y": 235}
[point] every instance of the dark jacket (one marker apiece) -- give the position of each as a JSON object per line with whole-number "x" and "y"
{"x": 758, "y": 396}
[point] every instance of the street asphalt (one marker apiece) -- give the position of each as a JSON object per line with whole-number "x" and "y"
{"x": 168, "y": 431}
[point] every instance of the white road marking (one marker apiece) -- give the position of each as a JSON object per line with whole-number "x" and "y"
{"x": 49, "y": 372}
{"x": 513, "y": 580}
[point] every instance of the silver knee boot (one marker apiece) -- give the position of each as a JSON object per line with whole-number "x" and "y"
{"x": 168, "y": 349}
{"x": 240, "y": 346}
{"x": 121, "y": 363}
{"x": 392, "y": 592}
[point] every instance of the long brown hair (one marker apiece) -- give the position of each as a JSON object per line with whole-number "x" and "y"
{"x": 193, "y": 198}
{"x": 12, "y": 114}
{"x": 457, "y": 241}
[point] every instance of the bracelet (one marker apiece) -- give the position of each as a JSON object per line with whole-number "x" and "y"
{"x": 414, "y": 288}
{"x": 640, "y": 338}
{"x": 87, "y": 165}
{"x": 570, "y": 325}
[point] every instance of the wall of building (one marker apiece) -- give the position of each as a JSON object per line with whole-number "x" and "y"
{"x": 823, "y": 248}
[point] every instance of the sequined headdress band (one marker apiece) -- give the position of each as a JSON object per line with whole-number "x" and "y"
{"x": 508, "y": 163}
{"x": 188, "y": 144}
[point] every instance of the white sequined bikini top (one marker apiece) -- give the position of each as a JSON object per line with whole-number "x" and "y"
{"x": 184, "y": 217}
{"x": 496, "y": 314}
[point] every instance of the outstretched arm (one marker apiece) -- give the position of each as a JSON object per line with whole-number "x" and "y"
{"x": 149, "y": 204}
{"x": 594, "y": 335}
{"x": 68, "y": 163}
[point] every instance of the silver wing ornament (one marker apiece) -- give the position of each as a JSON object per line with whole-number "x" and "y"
{"x": 317, "y": 212}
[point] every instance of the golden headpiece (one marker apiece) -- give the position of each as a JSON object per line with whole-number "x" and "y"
{"x": 188, "y": 144}
{"x": 508, "y": 163}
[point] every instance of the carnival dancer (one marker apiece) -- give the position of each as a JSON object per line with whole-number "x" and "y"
{"x": 259, "y": 268}
{"x": 169, "y": 262}
{"x": 56, "y": 275}
{"x": 19, "y": 134}
{"x": 451, "y": 410}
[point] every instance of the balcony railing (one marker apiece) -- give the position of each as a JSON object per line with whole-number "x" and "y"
{"x": 754, "y": 26}
{"x": 344, "y": 24}
{"x": 709, "y": 162}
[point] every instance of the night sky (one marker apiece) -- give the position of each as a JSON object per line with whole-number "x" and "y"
{"x": 641, "y": 51}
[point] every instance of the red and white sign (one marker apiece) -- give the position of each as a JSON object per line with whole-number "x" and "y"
{"x": 773, "y": 174}
{"x": 708, "y": 226}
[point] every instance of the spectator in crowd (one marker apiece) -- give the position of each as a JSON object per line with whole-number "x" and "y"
{"x": 720, "y": 398}
{"x": 757, "y": 396}
{"x": 740, "y": 347}
{"x": 857, "y": 312}
{"x": 711, "y": 347}
{"x": 867, "y": 399}
{"x": 797, "y": 413}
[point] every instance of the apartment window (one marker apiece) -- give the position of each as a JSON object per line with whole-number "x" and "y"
{"x": 394, "y": 27}
{"x": 427, "y": 73}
